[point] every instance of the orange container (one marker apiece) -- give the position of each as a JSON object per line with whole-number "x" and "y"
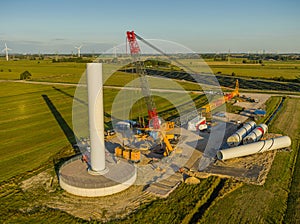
{"x": 135, "y": 155}
{"x": 126, "y": 154}
{"x": 119, "y": 151}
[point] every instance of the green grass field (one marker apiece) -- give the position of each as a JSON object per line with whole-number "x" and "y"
{"x": 29, "y": 133}
{"x": 287, "y": 69}
{"x": 257, "y": 71}
{"x": 269, "y": 70}
{"x": 70, "y": 72}
{"x": 42, "y": 70}
{"x": 176, "y": 207}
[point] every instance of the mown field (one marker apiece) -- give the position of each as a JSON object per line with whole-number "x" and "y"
{"x": 270, "y": 69}
{"x": 71, "y": 72}
{"x": 30, "y": 133}
{"x": 42, "y": 70}
{"x": 46, "y": 70}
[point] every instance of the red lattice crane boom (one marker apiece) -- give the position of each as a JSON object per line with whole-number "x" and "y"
{"x": 133, "y": 44}
{"x": 139, "y": 65}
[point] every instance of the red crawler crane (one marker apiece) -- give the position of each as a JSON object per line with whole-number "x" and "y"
{"x": 139, "y": 66}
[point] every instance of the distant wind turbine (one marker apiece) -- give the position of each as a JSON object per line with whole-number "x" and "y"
{"x": 78, "y": 50}
{"x": 115, "y": 51}
{"x": 6, "y": 49}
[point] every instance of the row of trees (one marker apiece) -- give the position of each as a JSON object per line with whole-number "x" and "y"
{"x": 69, "y": 59}
{"x": 245, "y": 61}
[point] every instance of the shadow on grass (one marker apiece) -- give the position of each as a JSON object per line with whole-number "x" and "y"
{"x": 107, "y": 115}
{"x": 61, "y": 121}
{"x": 61, "y": 157}
{"x": 69, "y": 95}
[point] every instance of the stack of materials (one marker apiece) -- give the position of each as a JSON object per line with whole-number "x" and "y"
{"x": 253, "y": 148}
{"x": 256, "y": 134}
{"x": 237, "y": 137}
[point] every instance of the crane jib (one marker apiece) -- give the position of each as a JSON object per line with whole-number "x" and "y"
{"x": 134, "y": 47}
{"x": 135, "y": 52}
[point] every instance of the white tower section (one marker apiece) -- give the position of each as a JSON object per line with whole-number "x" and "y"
{"x": 96, "y": 120}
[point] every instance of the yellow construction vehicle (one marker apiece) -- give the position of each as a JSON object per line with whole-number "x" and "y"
{"x": 220, "y": 101}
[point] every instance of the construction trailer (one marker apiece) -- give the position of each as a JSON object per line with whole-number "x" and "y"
{"x": 197, "y": 124}
{"x": 206, "y": 109}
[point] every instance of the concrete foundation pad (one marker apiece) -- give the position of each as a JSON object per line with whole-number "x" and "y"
{"x": 94, "y": 172}
{"x": 75, "y": 178}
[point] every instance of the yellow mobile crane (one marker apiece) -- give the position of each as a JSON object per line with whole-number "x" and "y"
{"x": 223, "y": 99}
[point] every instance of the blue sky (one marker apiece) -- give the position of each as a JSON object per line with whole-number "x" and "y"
{"x": 33, "y": 26}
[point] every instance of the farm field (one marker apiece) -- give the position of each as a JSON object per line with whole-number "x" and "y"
{"x": 42, "y": 70}
{"x": 29, "y": 131}
{"x": 46, "y": 70}
{"x": 71, "y": 72}
{"x": 271, "y": 69}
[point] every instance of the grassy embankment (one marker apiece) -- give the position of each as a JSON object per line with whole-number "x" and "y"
{"x": 177, "y": 206}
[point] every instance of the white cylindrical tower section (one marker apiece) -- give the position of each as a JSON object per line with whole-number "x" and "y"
{"x": 256, "y": 134}
{"x": 96, "y": 120}
{"x": 237, "y": 137}
{"x": 253, "y": 148}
